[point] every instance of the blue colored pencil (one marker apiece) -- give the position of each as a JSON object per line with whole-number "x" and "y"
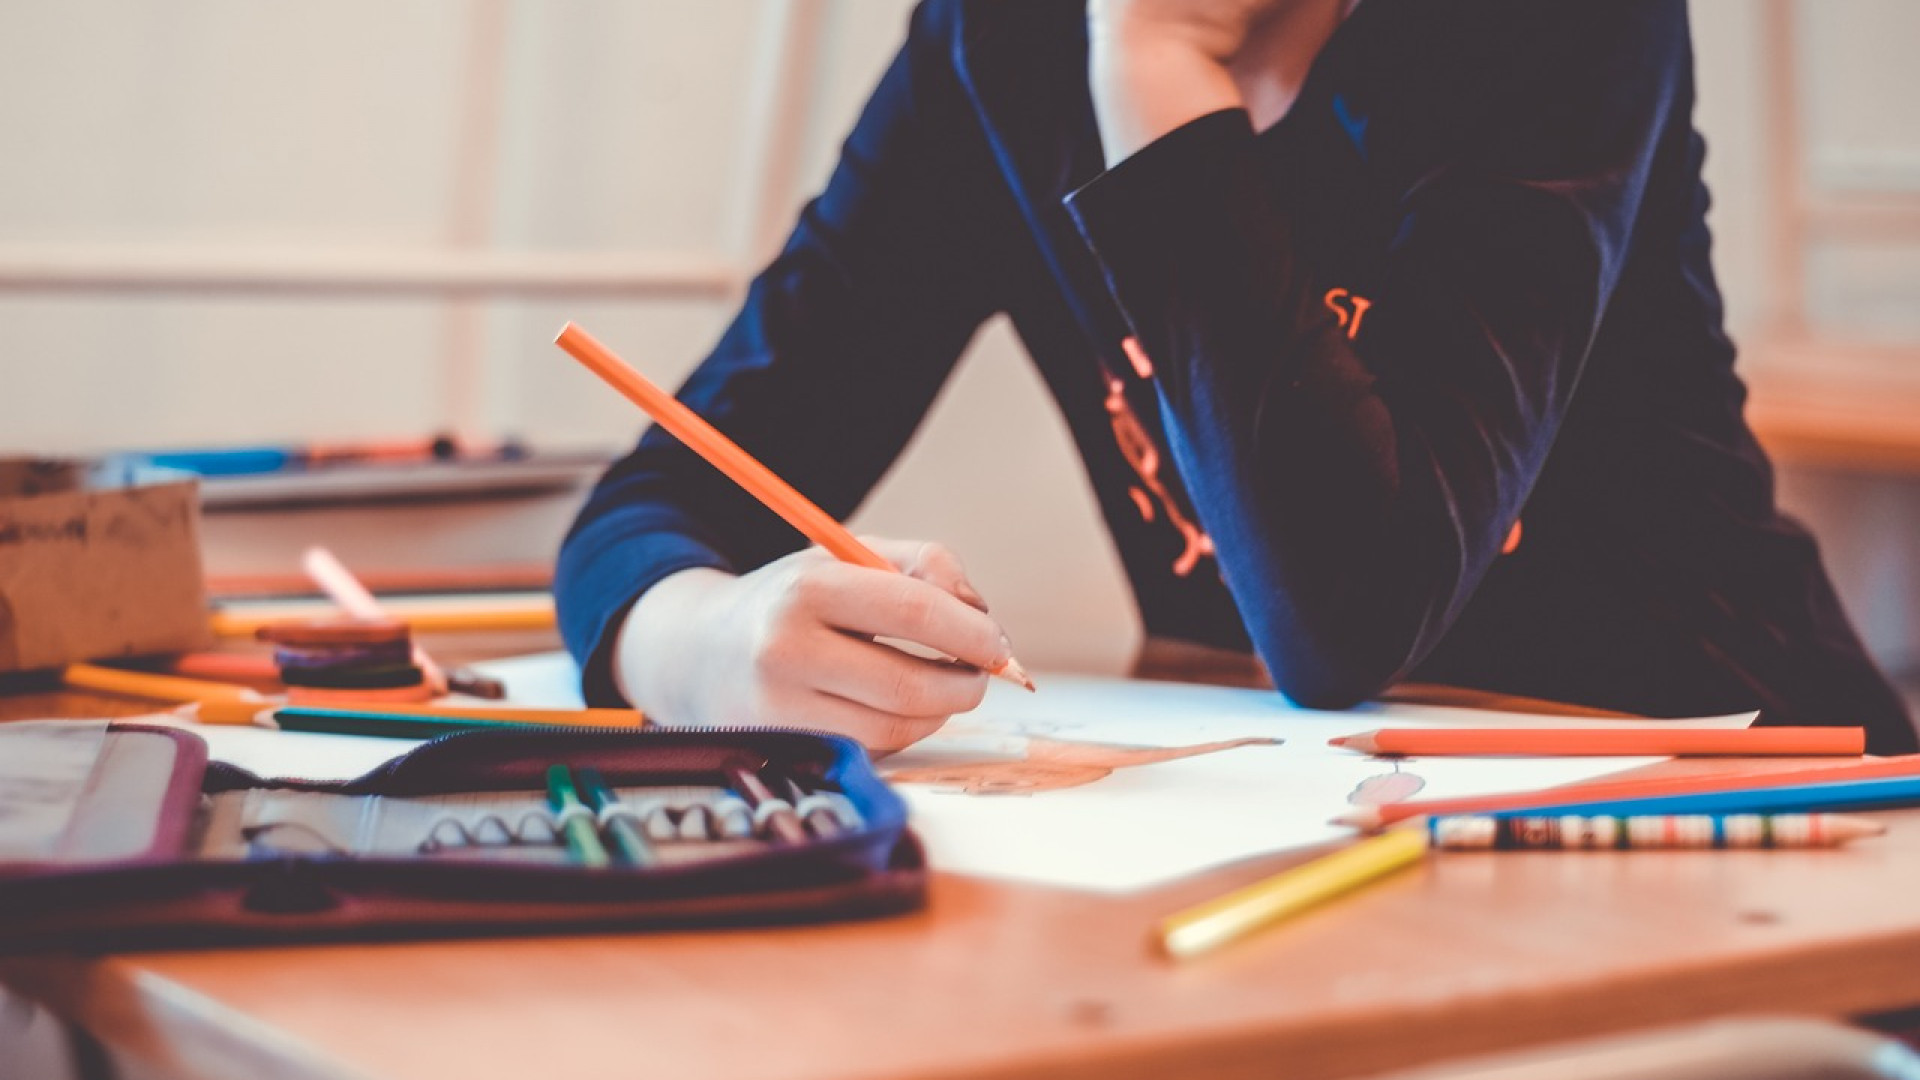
{"x": 1799, "y": 798}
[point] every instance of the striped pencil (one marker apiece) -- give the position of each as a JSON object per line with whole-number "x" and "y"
{"x": 1604, "y": 832}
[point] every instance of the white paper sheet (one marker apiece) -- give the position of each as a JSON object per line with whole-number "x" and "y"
{"x": 296, "y": 754}
{"x": 1060, "y": 788}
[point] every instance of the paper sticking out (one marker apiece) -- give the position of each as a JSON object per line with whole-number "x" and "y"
{"x": 44, "y": 767}
{"x": 1099, "y": 784}
{"x": 297, "y": 754}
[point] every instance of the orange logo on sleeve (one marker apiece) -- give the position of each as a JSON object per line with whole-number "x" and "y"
{"x": 1513, "y": 539}
{"x": 1347, "y": 308}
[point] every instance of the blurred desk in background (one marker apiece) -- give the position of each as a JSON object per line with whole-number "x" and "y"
{"x": 409, "y": 527}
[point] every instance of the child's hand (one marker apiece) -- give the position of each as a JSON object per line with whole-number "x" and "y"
{"x": 790, "y": 645}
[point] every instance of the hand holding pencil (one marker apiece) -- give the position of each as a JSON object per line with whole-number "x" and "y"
{"x": 794, "y": 643}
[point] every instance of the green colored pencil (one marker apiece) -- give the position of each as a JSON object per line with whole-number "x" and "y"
{"x": 631, "y": 847}
{"x": 576, "y": 821}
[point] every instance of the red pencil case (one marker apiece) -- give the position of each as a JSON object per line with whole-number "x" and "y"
{"x": 116, "y": 836}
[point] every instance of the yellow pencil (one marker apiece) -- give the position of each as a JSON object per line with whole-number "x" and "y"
{"x": 1207, "y": 926}
{"x": 217, "y": 702}
{"x": 422, "y": 616}
{"x": 227, "y": 703}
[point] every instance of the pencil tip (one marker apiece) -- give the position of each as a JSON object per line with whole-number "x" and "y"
{"x": 1013, "y": 672}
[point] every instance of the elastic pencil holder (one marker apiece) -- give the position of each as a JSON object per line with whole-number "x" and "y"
{"x": 125, "y": 836}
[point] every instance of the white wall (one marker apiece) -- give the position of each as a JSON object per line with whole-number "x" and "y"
{"x": 347, "y": 142}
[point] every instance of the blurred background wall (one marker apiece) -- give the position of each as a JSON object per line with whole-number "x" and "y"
{"x": 224, "y": 222}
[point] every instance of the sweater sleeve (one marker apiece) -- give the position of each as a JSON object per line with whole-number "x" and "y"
{"x": 1359, "y": 449}
{"x": 837, "y": 352}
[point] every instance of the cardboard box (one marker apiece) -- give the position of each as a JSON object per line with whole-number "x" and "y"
{"x": 97, "y": 561}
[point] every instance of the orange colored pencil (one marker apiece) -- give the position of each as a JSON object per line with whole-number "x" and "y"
{"x": 1375, "y": 817}
{"x": 1601, "y": 742}
{"x": 251, "y": 668}
{"x": 739, "y": 466}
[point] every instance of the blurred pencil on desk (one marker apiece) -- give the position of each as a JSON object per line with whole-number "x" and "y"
{"x": 334, "y": 579}
{"x": 428, "y": 721}
{"x": 1205, "y": 927}
{"x": 1375, "y": 817}
{"x": 1601, "y": 832}
{"x": 344, "y": 589}
{"x": 205, "y": 700}
{"x": 575, "y": 822}
{"x": 739, "y": 466}
{"x": 225, "y": 703}
{"x": 424, "y": 615}
{"x": 1601, "y": 742}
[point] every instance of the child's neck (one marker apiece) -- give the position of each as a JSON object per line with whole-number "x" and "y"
{"x": 1272, "y": 66}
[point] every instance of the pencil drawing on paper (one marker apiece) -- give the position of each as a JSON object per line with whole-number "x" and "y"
{"x": 1050, "y": 765}
{"x": 1387, "y": 787}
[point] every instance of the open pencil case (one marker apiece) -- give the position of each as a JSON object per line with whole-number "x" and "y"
{"x": 117, "y": 836}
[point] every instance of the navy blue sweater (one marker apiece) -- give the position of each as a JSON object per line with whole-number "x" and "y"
{"x": 1427, "y": 381}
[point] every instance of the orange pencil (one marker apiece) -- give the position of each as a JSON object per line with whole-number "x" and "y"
{"x": 249, "y": 668}
{"x": 210, "y": 702}
{"x": 739, "y": 466}
{"x": 1375, "y": 817}
{"x": 1601, "y": 742}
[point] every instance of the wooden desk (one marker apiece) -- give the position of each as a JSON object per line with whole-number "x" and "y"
{"x": 1469, "y": 952}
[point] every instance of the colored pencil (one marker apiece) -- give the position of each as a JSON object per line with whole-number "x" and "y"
{"x": 1474, "y": 832}
{"x": 1228, "y": 918}
{"x": 344, "y": 589}
{"x": 576, "y": 822}
{"x": 778, "y": 814}
{"x": 1796, "y": 798}
{"x": 1374, "y": 817}
{"x": 816, "y": 811}
{"x": 628, "y": 844}
{"x": 233, "y": 667}
{"x": 256, "y": 460}
{"x": 739, "y": 466}
{"x": 1624, "y": 742}
{"x": 423, "y": 616}
{"x": 212, "y": 702}
{"x": 427, "y": 721}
